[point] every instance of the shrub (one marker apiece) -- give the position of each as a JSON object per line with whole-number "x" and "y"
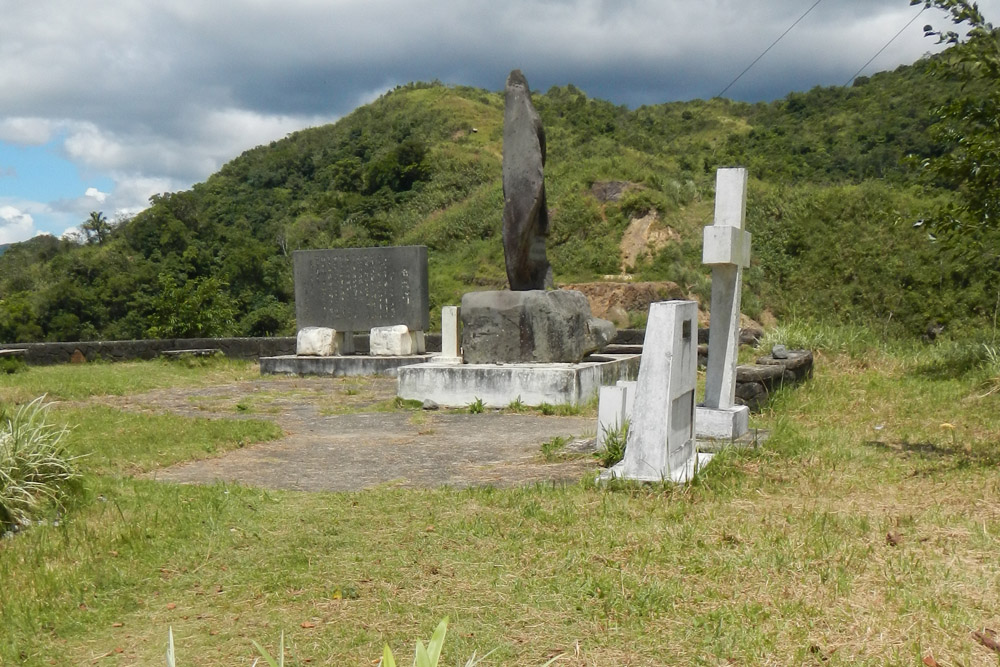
{"x": 34, "y": 467}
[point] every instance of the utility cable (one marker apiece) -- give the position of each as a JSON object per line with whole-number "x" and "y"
{"x": 780, "y": 37}
{"x": 909, "y": 23}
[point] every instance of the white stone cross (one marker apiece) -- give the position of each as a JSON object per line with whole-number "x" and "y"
{"x": 727, "y": 250}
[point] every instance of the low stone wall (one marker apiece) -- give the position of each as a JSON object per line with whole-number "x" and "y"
{"x": 756, "y": 382}
{"x": 126, "y": 350}
{"x": 41, "y": 354}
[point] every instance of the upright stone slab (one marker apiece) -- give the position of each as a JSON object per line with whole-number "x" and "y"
{"x": 661, "y": 442}
{"x": 611, "y": 414}
{"x": 356, "y": 289}
{"x": 525, "y": 216}
{"x": 727, "y": 250}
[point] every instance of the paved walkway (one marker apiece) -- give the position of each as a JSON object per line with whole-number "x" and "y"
{"x": 341, "y": 435}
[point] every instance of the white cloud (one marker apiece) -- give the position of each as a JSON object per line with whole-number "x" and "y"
{"x": 15, "y": 225}
{"x": 27, "y": 131}
{"x": 96, "y": 195}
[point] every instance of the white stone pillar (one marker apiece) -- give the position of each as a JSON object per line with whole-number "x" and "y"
{"x": 451, "y": 335}
{"x": 727, "y": 250}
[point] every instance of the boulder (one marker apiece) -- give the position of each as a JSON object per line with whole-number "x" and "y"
{"x": 537, "y": 326}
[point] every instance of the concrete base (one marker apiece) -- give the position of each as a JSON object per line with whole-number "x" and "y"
{"x": 681, "y": 475}
{"x": 338, "y": 366}
{"x": 750, "y": 440}
{"x": 498, "y": 385}
{"x": 721, "y": 423}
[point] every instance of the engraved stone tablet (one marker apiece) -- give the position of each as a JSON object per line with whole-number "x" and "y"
{"x": 355, "y": 289}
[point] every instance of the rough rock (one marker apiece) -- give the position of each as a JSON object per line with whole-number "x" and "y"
{"x": 525, "y": 216}
{"x": 613, "y": 301}
{"x": 530, "y": 326}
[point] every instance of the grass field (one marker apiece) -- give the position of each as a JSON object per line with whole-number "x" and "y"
{"x": 866, "y": 530}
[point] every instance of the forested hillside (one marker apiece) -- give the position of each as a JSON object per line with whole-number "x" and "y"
{"x": 832, "y": 205}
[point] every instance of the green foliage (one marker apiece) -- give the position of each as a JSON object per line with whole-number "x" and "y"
{"x": 425, "y": 656}
{"x": 34, "y": 466}
{"x": 10, "y": 365}
{"x": 422, "y": 165}
{"x": 517, "y": 405}
{"x": 477, "y": 407}
{"x": 967, "y": 122}
{"x": 193, "y": 309}
{"x": 613, "y": 449}
{"x": 552, "y": 450}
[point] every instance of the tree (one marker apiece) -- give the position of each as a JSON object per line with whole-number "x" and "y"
{"x": 96, "y": 228}
{"x": 969, "y": 124}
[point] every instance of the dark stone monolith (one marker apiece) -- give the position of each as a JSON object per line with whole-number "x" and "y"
{"x": 525, "y": 218}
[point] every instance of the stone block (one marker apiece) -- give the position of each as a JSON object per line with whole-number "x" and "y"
{"x": 533, "y": 326}
{"x": 394, "y": 341}
{"x": 722, "y": 423}
{"x": 318, "y": 342}
{"x": 355, "y": 289}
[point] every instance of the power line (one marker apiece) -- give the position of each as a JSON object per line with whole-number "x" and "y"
{"x": 769, "y": 48}
{"x": 908, "y": 24}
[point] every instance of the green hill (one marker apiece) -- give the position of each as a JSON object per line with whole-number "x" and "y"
{"x": 832, "y": 204}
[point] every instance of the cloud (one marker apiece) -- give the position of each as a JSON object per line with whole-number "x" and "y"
{"x": 157, "y": 96}
{"x": 15, "y": 225}
{"x": 27, "y": 131}
{"x": 96, "y": 195}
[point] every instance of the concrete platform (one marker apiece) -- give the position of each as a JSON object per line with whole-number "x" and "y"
{"x": 351, "y": 365}
{"x": 498, "y": 385}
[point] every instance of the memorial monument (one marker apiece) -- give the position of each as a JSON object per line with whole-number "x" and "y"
{"x": 381, "y": 292}
{"x": 525, "y": 216}
{"x": 531, "y": 343}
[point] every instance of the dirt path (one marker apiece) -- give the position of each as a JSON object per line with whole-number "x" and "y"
{"x": 341, "y": 435}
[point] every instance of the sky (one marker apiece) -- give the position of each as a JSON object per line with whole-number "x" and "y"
{"x": 105, "y": 104}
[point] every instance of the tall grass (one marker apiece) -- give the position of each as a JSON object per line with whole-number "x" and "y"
{"x": 34, "y": 466}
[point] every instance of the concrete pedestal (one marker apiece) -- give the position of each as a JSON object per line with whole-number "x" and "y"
{"x": 721, "y": 423}
{"x": 499, "y": 385}
{"x": 338, "y": 366}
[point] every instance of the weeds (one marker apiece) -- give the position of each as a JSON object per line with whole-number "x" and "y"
{"x": 613, "y": 450}
{"x": 517, "y": 405}
{"x": 34, "y": 466}
{"x": 552, "y": 450}
{"x": 477, "y": 407}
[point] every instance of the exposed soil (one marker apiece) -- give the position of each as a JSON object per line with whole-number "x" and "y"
{"x": 342, "y": 435}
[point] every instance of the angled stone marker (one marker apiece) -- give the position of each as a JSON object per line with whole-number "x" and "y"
{"x": 661, "y": 441}
{"x": 727, "y": 250}
{"x": 525, "y": 216}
